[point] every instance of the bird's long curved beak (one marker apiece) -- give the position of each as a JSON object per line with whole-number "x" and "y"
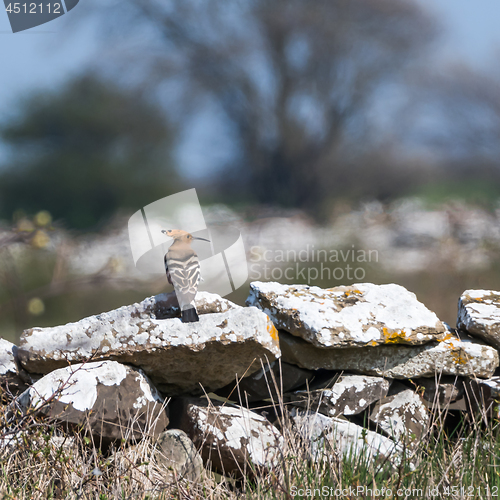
{"x": 197, "y": 238}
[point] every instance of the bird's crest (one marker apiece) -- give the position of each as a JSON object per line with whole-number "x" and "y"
{"x": 180, "y": 235}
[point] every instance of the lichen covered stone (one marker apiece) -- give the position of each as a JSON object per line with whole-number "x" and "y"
{"x": 452, "y": 356}
{"x": 233, "y": 439}
{"x": 479, "y": 315}
{"x": 350, "y": 395}
{"x": 111, "y": 400}
{"x": 361, "y": 315}
{"x": 12, "y": 377}
{"x": 180, "y": 358}
{"x": 341, "y": 438}
{"x": 403, "y": 416}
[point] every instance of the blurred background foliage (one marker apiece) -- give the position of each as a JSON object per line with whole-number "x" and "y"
{"x": 317, "y": 108}
{"x": 85, "y": 151}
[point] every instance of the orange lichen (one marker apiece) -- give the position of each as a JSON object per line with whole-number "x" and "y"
{"x": 393, "y": 337}
{"x": 448, "y": 336}
{"x": 457, "y": 354}
{"x": 458, "y": 358}
{"x": 272, "y": 331}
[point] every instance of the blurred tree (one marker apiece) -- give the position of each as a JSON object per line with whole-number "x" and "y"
{"x": 295, "y": 79}
{"x": 84, "y": 151}
{"x": 454, "y": 114}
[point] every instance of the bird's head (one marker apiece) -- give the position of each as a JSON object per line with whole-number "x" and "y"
{"x": 180, "y": 235}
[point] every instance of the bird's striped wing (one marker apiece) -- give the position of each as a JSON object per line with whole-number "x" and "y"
{"x": 183, "y": 271}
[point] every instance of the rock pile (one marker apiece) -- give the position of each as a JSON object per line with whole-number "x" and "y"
{"x": 176, "y": 356}
{"x": 358, "y": 369}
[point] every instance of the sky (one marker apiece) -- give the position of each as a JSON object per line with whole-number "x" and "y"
{"x": 41, "y": 57}
{"x": 45, "y": 56}
{"x": 471, "y": 31}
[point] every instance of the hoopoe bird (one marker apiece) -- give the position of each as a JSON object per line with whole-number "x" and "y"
{"x": 183, "y": 272}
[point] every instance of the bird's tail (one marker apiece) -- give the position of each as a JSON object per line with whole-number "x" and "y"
{"x": 189, "y": 315}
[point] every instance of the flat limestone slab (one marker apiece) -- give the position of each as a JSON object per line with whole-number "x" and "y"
{"x": 348, "y": 316}
{"x": 328, "y": 435}
{"x": 479, "y": 314}
{"x": 176, "y": 356}
{"x": 453, "y": 356}
{"x": 350, "y": 395}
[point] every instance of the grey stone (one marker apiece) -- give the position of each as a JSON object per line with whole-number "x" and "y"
{"x": 350, "y": 395}
{"x": 493, "y": 385}
{"x": 170, "y": 460}
{"x": 177, "y": 454}
{"x": 479, "y": 315}
{"x": 453, "y": 356}
{"x": 111, "y": 400}
{"x": 359, "y": 315}
{"x": 210, "y": 303}
{"x": 232, "y": 439}
{"x": 441, "y": 390}
{"x": 176, "y": 356}
{"x": 271, "y": 381}
{"x": 404, "y": 417}
{"x": 12, "y": 377}
{"x": 483, "y": 397}
{"x": 333, "y": 436}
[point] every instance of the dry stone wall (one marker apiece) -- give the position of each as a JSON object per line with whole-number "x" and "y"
{"x": 335, "y": 357}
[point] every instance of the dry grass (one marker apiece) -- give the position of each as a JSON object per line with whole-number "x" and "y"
{"x": 38, "y": 460}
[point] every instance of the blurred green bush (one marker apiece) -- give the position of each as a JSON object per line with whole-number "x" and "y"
{"x": 84, "y": 151}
